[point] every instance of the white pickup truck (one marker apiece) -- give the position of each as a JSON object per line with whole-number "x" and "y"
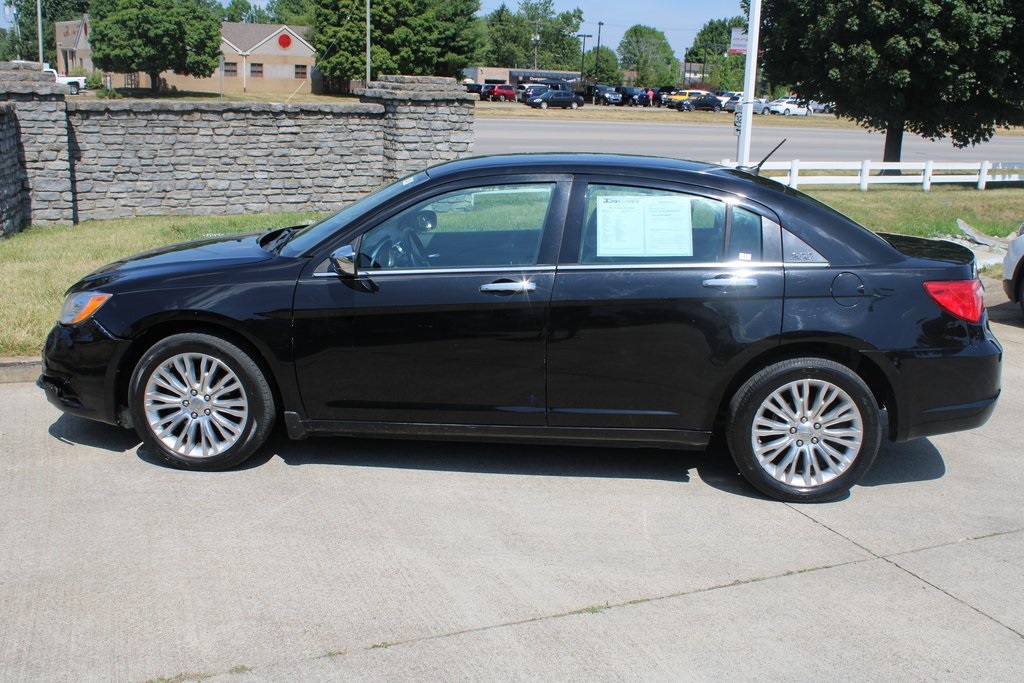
{"x": 75, "y": 83}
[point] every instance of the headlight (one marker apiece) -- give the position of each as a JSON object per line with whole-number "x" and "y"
{"x": 80, "y": 306}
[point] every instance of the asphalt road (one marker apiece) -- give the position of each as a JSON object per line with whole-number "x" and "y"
{"x": 340, "y": 559}
{"x": 715, "y": 143}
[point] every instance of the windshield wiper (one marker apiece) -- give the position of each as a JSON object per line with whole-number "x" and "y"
{"x": 275, "y": 239}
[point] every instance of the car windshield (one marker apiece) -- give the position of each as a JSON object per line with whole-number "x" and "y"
{"x": 313, "y": 234}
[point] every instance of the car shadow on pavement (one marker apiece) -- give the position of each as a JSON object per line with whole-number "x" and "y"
{"x": 1006, "y": 313}
{"x": 72, "y": 430}
{"x": 480, "y": 457}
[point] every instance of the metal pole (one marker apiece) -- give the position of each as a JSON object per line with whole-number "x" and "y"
{"x": 749, "y": 85}
{"x": 367, "y": 43}
{"x": 39, "y": 28}
{"x": 583, "y": 57}
{"x": 597, "y": 55}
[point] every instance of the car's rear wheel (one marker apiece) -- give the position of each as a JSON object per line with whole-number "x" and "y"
{"x": 200, "y": 402}
{"x": 74, "y": 88}
{"x": 785, "y": 112}
{"x": 804, "y": 430}
{"x": 574, "y": 105}
{"x": 716, "y": 109}
{"x": 501, "y": 98}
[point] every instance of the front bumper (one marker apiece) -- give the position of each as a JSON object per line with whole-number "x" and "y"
{"x": 80, "y": 373}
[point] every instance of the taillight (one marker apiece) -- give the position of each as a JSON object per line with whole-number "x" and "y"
{"x": 963, "y": 298}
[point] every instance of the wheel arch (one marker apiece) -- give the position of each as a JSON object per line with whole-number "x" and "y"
{"x": 864, "y": 366}
{"x": 152, "y": 335}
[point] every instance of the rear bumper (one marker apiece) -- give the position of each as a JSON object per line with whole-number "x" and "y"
{"x": 943, "y": 391}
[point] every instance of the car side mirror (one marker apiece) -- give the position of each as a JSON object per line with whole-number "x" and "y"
{"x": 343, "y": 260}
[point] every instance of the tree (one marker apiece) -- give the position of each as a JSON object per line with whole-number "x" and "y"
{"x": 647, "y": 51}
{"x": 533, "y": 36}
{"x": 236, "y": 11}
{"x": 603, "y": 65}
{"x": 292, "y": 12}
{"x": 415, "y": 37}
{"x": 507, "y": 40}
{"x": 711, "y": 48}
{"x": 933, "y": 67}
{"x": 152, "y": 36}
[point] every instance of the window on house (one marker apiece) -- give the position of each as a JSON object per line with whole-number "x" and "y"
{"x": 256, "y": 70}
{"x": 300, "y": 71}
{"x": 231, "y": 69}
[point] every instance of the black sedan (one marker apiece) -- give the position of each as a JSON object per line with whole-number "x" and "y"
{"x": 586, "y": 299}
{"x": 706, "y": 102}
{"x": 565, "y": 99}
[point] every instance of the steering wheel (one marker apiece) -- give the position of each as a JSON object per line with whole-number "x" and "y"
{"x": 414, "y": 250}
{"x": 404, "y": 253}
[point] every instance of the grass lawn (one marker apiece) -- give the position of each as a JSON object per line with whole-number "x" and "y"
{"x": 40, "y": 263}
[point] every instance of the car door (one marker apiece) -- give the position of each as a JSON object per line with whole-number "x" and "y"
{"x": 663, "y": 293}
{"x": 445, "y": 322}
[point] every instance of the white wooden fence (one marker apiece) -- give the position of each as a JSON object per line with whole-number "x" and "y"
{"x": 923, "y": 173}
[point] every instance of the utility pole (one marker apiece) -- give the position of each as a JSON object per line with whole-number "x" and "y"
{"x": 583, "y": 57}
{"x": 597, "y": 55}
{"x": 749, "y": 85}
{"x": 367, "y": 43}
{"x": 39, "y": 29}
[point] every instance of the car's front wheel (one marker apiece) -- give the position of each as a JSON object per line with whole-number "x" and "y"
{"x": 543, "y": 105}
{"x": 804, "y": 430}
{"x": 200, "y": 402}
{"x": 574, "y": 105}
{"x": 74, "y": 88}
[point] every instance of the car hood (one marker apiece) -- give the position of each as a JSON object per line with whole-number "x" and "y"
{"x": 176, "y": 260}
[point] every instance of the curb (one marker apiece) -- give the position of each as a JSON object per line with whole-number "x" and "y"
{"x": 19, "y": 370}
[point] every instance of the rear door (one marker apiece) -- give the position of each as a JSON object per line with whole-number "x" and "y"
{"x": 663, "y": 292}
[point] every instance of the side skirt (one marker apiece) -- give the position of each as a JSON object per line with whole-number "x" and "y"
{"x": 589, "y": 436}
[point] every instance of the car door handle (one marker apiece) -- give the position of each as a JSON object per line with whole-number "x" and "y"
{"x": 730, "y": 282}
{"x": 509, "y": 287}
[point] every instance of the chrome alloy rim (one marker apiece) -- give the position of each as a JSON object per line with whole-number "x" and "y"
{"x": 196, "y": 405}
{"x": 807, "y": 433}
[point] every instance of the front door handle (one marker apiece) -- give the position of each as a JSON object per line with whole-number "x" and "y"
{"x": 730, "y": 282}
{"x": 509, "y": 287}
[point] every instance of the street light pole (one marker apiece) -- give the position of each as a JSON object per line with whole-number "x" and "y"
{"x": 367, "y": 43}
{"x": 583, "y": 57}
{"x": 597, "y": 55}
{"x": 749, "y": 85}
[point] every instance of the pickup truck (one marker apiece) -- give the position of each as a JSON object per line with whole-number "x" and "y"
{"x": 74, "y": 83}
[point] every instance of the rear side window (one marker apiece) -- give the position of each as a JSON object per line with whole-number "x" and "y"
{"x": 645, "y": 225}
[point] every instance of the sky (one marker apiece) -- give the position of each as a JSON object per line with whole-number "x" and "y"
{"x": 679, "y": 20}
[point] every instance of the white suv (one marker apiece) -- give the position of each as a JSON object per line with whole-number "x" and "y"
{"x": 1013, "y": 269}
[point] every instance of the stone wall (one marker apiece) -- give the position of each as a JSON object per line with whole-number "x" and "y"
{"x": 85, "y": 159}
{"x": 12, "y": 177}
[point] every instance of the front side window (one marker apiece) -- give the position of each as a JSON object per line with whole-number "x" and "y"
{"x": 494, "y": 225}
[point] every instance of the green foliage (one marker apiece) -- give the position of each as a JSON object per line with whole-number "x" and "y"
{"x": 293, "y": 12}
{"x": 603, "y": 66}
{"x": 711, "y": 48}
{"x": 152, "y": 36}
{"x": 933, "y": 67}
{"x": 533, "y": 36}
{"x": 94, "y": 81}
{"x": 413, "y": 37}
{"x": 647, "y": 51}
{"x": 235, "y": 11}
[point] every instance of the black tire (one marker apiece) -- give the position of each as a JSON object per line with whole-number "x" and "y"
{"x": 716, "y": 109}
{"x": 501, "y": 98}
{"x": 574, "y": 105}
{"x": 543, "y": 105}
{"x": 803, "y": 460}
{"x": 74, "y": 88}
{"x": 200, "y": 430}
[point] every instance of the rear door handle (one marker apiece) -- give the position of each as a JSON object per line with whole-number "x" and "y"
{"x": 730, "y": 282}
{"x": 509, "y": 287}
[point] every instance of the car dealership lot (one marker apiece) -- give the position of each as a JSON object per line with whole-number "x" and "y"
{"x": 339, "y": 559}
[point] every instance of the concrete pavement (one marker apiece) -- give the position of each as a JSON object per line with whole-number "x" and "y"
{"x": 340, "y": 559}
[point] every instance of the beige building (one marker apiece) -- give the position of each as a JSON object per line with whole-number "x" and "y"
{"x": 257, "y": 58}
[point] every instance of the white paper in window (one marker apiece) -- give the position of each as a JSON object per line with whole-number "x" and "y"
{"x": 644, "y": 226}
{"x": 620, "y": 226}
{"x": 667, "y": 226}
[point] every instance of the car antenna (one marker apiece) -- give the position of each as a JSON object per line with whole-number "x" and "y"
{"x": 756, "y": 169}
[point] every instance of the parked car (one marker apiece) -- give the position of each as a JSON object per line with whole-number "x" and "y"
{"x": 503, "y": 92}
{"x": 1013, "y": 269}
{"x": 602, "y": 94}
{"x": 662, "y": 95}
{"x": 725, "y": 95}
{"x": 532, "y": 90}
{"x": 788, "y": 106}
{"x": 821, "y": 107}
{"x": 705, "y": 102}
{"x": 760, "y": 106}
{"x": 75, "y": 83}
{"x": 473, "y": 87}
{"x": 564, "y": 99}
{"x": 633, "y": 96}
{"x": 589, "y": 299}
{"x": 680, "y": 95}
{"x": 734, "y": 104}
